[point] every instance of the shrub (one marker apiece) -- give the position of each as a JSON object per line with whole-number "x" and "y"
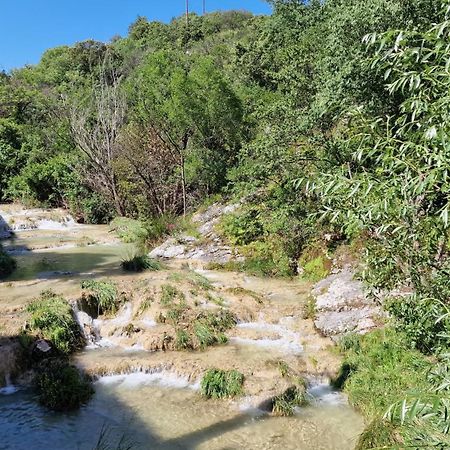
{"x": 242, "y": 228}
{"x": 218, "y": 383}
{"x": 7, "y": 264}
{"x": 425, "y": 321}
{"x": 100, "y": 295}
{"x": 61, "y": 386}
{"x": 53, "y": 318}
{"x": 285, "y": 403}
{"x": 139, "y": 263}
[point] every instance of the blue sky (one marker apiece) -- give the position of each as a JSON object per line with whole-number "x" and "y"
{"x": 29, "y": 27}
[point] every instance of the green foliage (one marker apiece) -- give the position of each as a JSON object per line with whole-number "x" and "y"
{"x": 101, "y": 296}
{"x": 379, "y": 434}
{"x": 61, "y": 386}
{"x": 217, "y": 383}
{"x": 242, "y": 228}
{"x": 316, "y": 269}
{"x": 7, "y": 264}
{"x": 424, "y": 321}
{"x": 129, "y": 230}
{"x": 52, "y": 317}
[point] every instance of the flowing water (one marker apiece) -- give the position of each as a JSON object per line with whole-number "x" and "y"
{"x": 141, "y": 400}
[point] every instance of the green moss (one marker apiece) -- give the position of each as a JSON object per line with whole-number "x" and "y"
{"x": 193, "y": 278}
{"x": 218, "y": 383}
{"x": 52, "y": 317}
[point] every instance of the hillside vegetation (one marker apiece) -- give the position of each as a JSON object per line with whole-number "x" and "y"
{"x": 331, "y": 119}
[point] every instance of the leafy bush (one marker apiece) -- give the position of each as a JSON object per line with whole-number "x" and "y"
{"x": 52, "y": 317}
{"x": 218, "y": 383}
{"x": 424, "y": 321}
{"x": 102, "y": 296}
{"x": 139, "y": 263}
{"x": 7, "y": 264}
{"x": 61, "y": 386}
{"x": 242, "y": 228}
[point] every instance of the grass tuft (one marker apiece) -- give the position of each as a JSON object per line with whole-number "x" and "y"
{"x": 217, "y": 383}
{"x": 52, "y": 317}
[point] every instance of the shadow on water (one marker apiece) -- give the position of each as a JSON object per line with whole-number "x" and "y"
{"x": 5, "y": 230}
{"x": 24, "y": 424}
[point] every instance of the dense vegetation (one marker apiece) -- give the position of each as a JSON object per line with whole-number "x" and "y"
{"x": 330, "y": 118}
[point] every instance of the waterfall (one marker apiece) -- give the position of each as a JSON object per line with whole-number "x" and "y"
{"x": 9, "y": 387}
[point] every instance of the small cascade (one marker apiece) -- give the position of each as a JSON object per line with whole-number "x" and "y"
{"x": 9, "y": 387}
{"x": 87, "y": 325}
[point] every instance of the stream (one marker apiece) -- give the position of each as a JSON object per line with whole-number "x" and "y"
{"x": 149, "y": 398}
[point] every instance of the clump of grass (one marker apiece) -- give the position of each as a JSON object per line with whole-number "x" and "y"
{"x": 52, "y": 317}
{"x": 309, "y": 311}
{"x": 217, "y": 383}
{"x": 61, "y": 386}
{"x": 182, "y": 340}
{"x": 139, "y": 263}
{"x": 379, "y": 434}
{"x": 285, "y": 403}
{"x": 205, "y": 334}
{"x": 220, "y": 301}
{"x": 238, "y": 290}
{"x": 170, "y": 294}
{"x": 7, "y": 264}
{"x": 284, "y": 368}
{"x": 195, "y": 279}
{"x": 145, "y": 304}
{"x": 100, "y": 295}
{"x": 380, "y": 369}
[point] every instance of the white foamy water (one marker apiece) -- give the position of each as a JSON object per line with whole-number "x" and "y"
{"x": 148, "y": 323}
{"x": 320, "y": 391}
{"x": 124, "y": 316}
{"x": 139, "y": 379}
{"x": 288, "y": 340}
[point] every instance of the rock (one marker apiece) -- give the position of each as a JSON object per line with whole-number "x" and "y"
{"x": 342, "y": 306}
{"x": 41, "y": 349}
{"x": 210, "y": 249}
